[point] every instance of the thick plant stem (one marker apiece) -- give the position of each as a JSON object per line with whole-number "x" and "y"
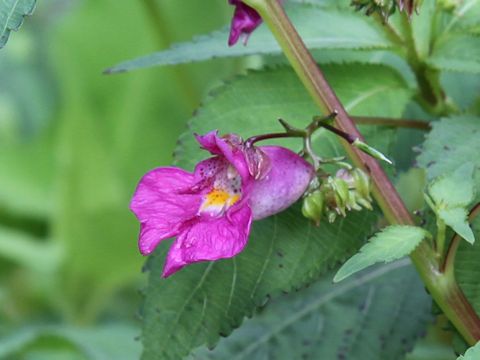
{"x": 442, "y": 288}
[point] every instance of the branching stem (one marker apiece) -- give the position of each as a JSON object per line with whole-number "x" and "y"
{"x": 442, "y": 287}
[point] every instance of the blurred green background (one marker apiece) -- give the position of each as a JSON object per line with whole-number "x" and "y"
{"x": 73, "y": 145}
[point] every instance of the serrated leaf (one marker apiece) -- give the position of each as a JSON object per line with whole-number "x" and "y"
{"x": 320, "y": 28}
{"x": 456, "y": 52}
{"x": 392, "y": 243}
{"x": 456, "y": 218}
{"x": 204, "y": 301}
{"x": 12, "y": 13}
{"x": 375, "y": 316}
{"x": 370, "y": 90}
{"x": 451, "y": 142}
{"x": 472, "y": 353}
{"x": 451, "y": 193}
{"x": 454, "y": 189}
{"x": 285, "y": 251}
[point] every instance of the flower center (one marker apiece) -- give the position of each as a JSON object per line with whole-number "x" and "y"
{"x": 225, "y": 193}
{"x": 219, "y": 199}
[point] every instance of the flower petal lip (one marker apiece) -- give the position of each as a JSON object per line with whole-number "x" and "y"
{"x": 245, "y": 20}
{"x": 285, "y": 183}
{"x": 231, "y": 149}
{"x": 162, "y": 203}
{"x": 217, "y": 238}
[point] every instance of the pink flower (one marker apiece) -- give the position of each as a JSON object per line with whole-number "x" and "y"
{"x": 245, "y": 20}
{"x": 210, "y": 210}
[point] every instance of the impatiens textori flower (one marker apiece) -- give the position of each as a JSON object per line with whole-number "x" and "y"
{"x": 210, "y": 210}
{"x": 245, "y": 20}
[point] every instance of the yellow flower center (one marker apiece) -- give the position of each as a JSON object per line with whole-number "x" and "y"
{"x": 218, "y": 200}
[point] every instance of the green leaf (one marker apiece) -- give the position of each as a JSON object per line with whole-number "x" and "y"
{"x": 451, "y": 142}
{"x": 284, "y": 252}
{"x": 375, "y": 316}
{"x": 472, "y": 353}
{"x": 421, "y": 24}
{"x": 12, "y": 13}
{"x": 320, "y": 28}
{"x": 392, "y": 243}
{"x": 455, "y": 189}
{"x": 204, "y": 301}
{"x": 465, "y": 17}
{"x": 457, "y": 52}
{"x": 370, "y": 90}
{"x": 456, "y": 218}
{"x": 467, "y": 268}
{"x": 115, "y": 341}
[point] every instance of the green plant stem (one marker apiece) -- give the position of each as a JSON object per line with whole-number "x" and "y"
{"x": 449, "y": 263}
{"x": 441, "y": 236}
{"x": 442, "y": 288}
{"x": 396, "y": 123}
{"x": 431, "y": 95}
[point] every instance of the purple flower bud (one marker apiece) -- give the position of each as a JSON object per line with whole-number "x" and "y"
{"x": 210, "y": 210}
{"x": 245, "y": 20}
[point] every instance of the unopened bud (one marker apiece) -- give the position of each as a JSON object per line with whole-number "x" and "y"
{"x": 313, "y": 206}
{"x": 362, "y": 183}
{"x": 352, "y": 203}
{"x": 367, "y": 149}
{"x": 382, "y": 7}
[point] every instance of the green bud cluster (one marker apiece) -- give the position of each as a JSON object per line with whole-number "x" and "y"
{"x": 348, "y": 190}
{"x": 382, "y": 7}
{"x": 386, "y": 7}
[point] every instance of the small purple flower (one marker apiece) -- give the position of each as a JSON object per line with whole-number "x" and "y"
{"x": 210, "y": 210}
{"x": 245, "y": 20}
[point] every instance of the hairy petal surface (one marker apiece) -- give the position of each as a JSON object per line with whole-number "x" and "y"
{"x": 210, "y": 239}
{"x": 161, "y": 203}
{"x": 284, "y": 184}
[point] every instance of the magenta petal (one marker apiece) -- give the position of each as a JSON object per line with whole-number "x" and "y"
{"x": 210, "y": 239}
{"x": 245, "y": 20}
{"x": 161, "y": 204}
{"x": 285, "y": 183}
{"x": 230, "y": 147}
{"x": 209, "y": 142}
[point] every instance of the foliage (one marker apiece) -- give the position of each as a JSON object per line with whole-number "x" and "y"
{"x": 364, "y": 317}
{"x": 392, "y": 243}
{"x": 12, "y": 13}
{"x": 73, "y": 144}
{"x": 316, "y": 25}
{"x": 472, "y": 353}
{"x": 288, "y": 264}
{"x": 451, "y": 194}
